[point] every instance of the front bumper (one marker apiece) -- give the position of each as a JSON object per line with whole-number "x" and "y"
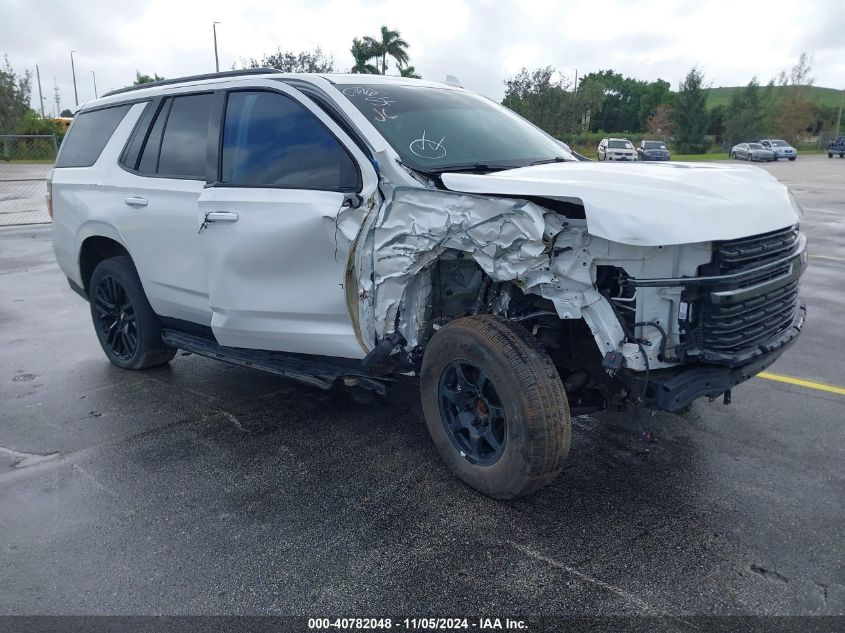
{"x": 654, "y": 157}
{"x": 673, "y": 389}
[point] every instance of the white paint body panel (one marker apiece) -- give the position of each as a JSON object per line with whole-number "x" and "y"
{"x": 652, "y": 204}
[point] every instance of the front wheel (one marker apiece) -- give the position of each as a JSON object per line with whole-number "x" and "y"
{"x": 495, "y": 406}
{"x": 127, "y": 328}
{"x": 793, "y": 157}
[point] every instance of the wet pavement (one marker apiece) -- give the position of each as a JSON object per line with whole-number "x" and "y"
{"x": 206, "y": 488}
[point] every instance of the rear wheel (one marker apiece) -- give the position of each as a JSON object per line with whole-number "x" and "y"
{"x": 495, "y": 406}
{"x": 127, "y": 328}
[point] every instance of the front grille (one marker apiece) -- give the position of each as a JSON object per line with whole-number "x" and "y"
{"x": 732, "y": 328}
{"x": 724, "y": 332}
{"x": 738, "y": 255}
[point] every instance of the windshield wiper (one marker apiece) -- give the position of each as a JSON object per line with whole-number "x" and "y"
{"x": 556, "y": 159}
{"x": 471, "y": 167}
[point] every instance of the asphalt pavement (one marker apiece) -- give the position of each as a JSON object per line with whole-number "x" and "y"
{"x": 204, "y": 488}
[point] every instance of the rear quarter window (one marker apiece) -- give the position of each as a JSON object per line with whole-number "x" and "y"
{"x": 88, "y": 136}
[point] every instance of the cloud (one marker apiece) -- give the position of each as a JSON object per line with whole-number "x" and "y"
{"x": 480, "y": 41}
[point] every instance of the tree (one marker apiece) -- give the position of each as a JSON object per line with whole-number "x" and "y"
{"x": 15, "y": 94}
{"x": 543, "y": 98}
{"x": 661, "y": 124}
{"x": 66, "y": 113}
{"x": 746, "y": 116}
{"x": 652, "y": 95}
{"x": 690, "y": 116}
{"x": 409, "y": 71}
{"x": 290, "y": 62}
{"x": 390, "y": 44}
{"x": 141, "y": 78}
{"x": 795, "y": 111}
{"x": 362, "y": 53}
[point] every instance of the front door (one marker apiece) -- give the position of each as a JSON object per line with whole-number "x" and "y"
{"x": 276, "y": 226}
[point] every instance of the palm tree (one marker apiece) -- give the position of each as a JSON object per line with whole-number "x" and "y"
{"x": 409, "y": 71}
{"x": 390, "y": 44}
{"x": 362, "y": 53}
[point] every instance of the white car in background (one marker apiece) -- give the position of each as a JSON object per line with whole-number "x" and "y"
{"x": 349, "y": 229}
{"x": 617, "y": 149}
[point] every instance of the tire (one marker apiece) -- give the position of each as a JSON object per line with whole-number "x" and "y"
{"x": 733, "y": 155}
{"x": 127, "y": 328}
{"x": 521, "y": 405}
{"x": 793, "y": 158}
{"x": 829, "y": 155}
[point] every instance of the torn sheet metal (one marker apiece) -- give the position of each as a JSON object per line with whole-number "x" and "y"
{"x": 509, "y": 239}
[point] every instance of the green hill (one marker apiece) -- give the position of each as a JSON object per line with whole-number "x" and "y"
{"x": 722, "y": 96}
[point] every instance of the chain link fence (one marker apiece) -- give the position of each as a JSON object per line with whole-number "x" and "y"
{"x": 25, "y": 162}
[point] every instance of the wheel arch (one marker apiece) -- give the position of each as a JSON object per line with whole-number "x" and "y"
{"x": 95, "y": 249}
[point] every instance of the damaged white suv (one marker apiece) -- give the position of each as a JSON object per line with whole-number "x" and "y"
{"x": 348, "y": 229}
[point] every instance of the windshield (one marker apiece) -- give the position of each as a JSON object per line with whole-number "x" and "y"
{"x": 780, "y": 144}
{"x": 655, "y": 145}
{"x": 755, "y": 146}
{"x": 620, "y": 144}
{"x": 437, "y": 128}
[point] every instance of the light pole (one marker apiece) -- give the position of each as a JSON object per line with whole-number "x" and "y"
{"x": 73, "y": 70}
{"x": 839, "y": 116}
{"x": 216, "y": 59}
{"x": 94, "y": 77}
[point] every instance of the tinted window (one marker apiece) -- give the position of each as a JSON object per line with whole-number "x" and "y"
{"x": 149, "y": 155}
{"x": 88, "y": 136}
{"x": 619, "y": 144}
{"x": 270, "y": 139}
{"x": 185, "y": 142}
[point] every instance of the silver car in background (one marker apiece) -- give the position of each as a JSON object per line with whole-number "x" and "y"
{"x": 780, "y": 148}
{"x": 752, "y": 151}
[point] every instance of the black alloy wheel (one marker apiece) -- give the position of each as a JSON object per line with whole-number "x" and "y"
{"x": 116, "y": 317}
{"x": 472, "y": 412}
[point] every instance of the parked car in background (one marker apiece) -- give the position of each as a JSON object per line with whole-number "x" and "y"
{"x": 616, "y": 149}
{"x": 780, "y": 148}
{"x": 836, "y": 147}
{"x": 653, "y": 150}
{"x": 752, "y": 151}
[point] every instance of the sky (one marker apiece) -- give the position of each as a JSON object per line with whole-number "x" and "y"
{"x": 482, "y": 42}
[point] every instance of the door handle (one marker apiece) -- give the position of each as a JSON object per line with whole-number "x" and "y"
{"x": 221, "y": 216}
{"x": 135, "y": 201}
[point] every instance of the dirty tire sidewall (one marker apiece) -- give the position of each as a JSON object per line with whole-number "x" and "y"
{"x": 150, "y": 351}
{"x": 527, "y": 382}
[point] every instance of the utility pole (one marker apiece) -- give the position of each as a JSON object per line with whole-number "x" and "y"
{"x": 839, "y": 116}
{"x": 40, "y": 96}
{"x": 58, "y": 102}
{"x": 73, "y": 70}
{"x": 94, "y": 77}
{"x": 216, "y": 59}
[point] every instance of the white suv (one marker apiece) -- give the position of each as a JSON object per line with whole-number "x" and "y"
{"x": 350, "y": 228}
{"x": 616, "y": 149}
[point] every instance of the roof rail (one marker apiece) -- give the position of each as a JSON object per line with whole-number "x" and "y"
{"x": 179, "y": 80}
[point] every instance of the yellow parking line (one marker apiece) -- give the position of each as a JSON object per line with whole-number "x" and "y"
{"x": 809, "y": 384}
{"x": 836, "y": 259}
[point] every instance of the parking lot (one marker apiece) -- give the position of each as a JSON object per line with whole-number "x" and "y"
{"x": 206, "y": 488}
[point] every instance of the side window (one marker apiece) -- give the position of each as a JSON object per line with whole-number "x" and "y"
{"x": 184, "y": 146}
{"x": 88, "y": 136}
{"x": 149, "y": 155}
{"x": 271, "y": 140}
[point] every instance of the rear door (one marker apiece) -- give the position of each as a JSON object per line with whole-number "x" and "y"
{"x": 164, "y": 173}
{"x": 291, "y": 192}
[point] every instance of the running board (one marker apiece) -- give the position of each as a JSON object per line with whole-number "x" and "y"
{"x": 316, "y": 373}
